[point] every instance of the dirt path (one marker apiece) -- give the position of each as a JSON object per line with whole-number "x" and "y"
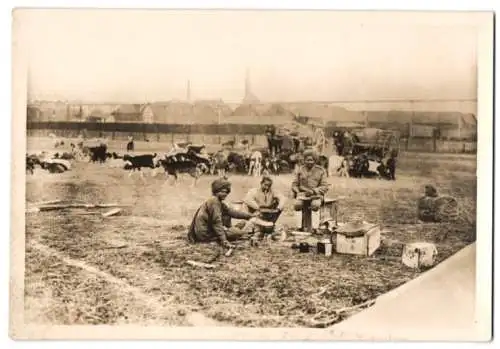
{"x": 161, "y": 310}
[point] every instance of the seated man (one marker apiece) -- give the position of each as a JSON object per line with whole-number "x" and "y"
{"x": 310, "y": 181}
{"x": 426, "y": 210}
{"x": 212, "y": 221}
{"x": 264, "y": 197}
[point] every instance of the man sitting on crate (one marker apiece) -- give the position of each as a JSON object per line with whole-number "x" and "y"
{"x": 310, "y": 182}
{"x": 265, "y": 202}
{"x": 212, "y": 220}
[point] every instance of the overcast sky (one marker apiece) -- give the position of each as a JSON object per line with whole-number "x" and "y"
{"x": 127, "y": 55}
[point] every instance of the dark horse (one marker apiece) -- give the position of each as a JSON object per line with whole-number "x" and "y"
{"x": 344, "y": 142}
{"x": 274, "y": 141}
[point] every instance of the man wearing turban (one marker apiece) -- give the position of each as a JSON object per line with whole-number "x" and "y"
{"x": 426, "y": 204}
{"x": 212, "y": 220}
{"x": 310, "y": 181}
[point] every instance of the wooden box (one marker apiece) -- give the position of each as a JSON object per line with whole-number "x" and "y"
{"x": 364, "y": 244}
{"x": 419, "y": 254}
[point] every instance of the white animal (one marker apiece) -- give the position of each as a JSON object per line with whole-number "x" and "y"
{"x": 372, "y": 166}
{"x": 255, "y": 167}
{"x": 344, "y": 168}
{"x": 334, "y": 164}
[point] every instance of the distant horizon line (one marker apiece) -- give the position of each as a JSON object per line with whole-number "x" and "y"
{"x": 360, "y": 101}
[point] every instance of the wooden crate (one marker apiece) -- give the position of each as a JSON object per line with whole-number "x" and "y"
{"x": 364, "y": 245}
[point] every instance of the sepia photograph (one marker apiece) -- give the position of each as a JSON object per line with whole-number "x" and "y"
{"x": 251, "y": 174}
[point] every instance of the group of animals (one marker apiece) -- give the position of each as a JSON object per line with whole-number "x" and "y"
{"x": 193, "y": 160}
{"x": 183, "y": 158}
{"x": 365, "y": 166}
{"x": 56, "y": 163}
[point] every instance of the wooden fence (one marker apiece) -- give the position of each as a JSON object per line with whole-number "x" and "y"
{"x": 219, "y": 133}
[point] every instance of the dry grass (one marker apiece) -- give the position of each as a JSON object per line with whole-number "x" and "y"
{"x": 266, "y": 286}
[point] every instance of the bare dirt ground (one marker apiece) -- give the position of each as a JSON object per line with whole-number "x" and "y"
{"x": 86, "y": 269}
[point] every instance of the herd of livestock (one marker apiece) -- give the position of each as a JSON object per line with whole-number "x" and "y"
{"x": 194, "y": 160}
{"x": 182, "y": 158}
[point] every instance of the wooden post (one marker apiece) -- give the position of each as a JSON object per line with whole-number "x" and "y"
{"x": 410, "y": 125}
{"x": 306, "y": 216}
{"x": 434, "y": 140}
{"x": 459, "y": 127}
{"x": 408, "y": 137}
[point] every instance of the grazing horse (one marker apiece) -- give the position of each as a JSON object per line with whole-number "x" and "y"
{"x": 236, "y": 163}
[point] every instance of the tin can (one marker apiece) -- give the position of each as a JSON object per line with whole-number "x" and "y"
{"x": 325, "y": 247}
{"x": 304, "y": 247}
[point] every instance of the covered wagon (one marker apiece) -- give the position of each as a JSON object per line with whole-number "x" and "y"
{"x": 368, "y": 152}
{"x": 373, "y": 142}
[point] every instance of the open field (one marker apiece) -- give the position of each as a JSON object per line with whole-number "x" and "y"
{"x": 85, "y": 269}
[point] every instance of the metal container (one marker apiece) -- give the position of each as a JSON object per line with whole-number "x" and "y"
{"x": 304, "y": 247}
{"x": 325, "y": 247}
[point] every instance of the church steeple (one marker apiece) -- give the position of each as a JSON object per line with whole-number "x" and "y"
{"x": 249, "y": 96}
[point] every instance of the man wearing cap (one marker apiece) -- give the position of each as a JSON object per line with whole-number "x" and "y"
{"x": 310, "y": 181}
{"x": 212, "y": 220}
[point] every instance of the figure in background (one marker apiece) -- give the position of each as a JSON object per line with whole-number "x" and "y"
{"x": 387, "y": 167}
{"x": 435, "y": 208}
{"x": 274, "y": 140}
{"x": 426, "y": 209}
{"x": 130, "y": 144}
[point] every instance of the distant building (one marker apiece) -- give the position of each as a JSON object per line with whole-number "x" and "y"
{"x": 48, "y": 111}
{"x": 33, "y": 114}
{"x": 148, "y": 115}
{"x": 128, "y": 113}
